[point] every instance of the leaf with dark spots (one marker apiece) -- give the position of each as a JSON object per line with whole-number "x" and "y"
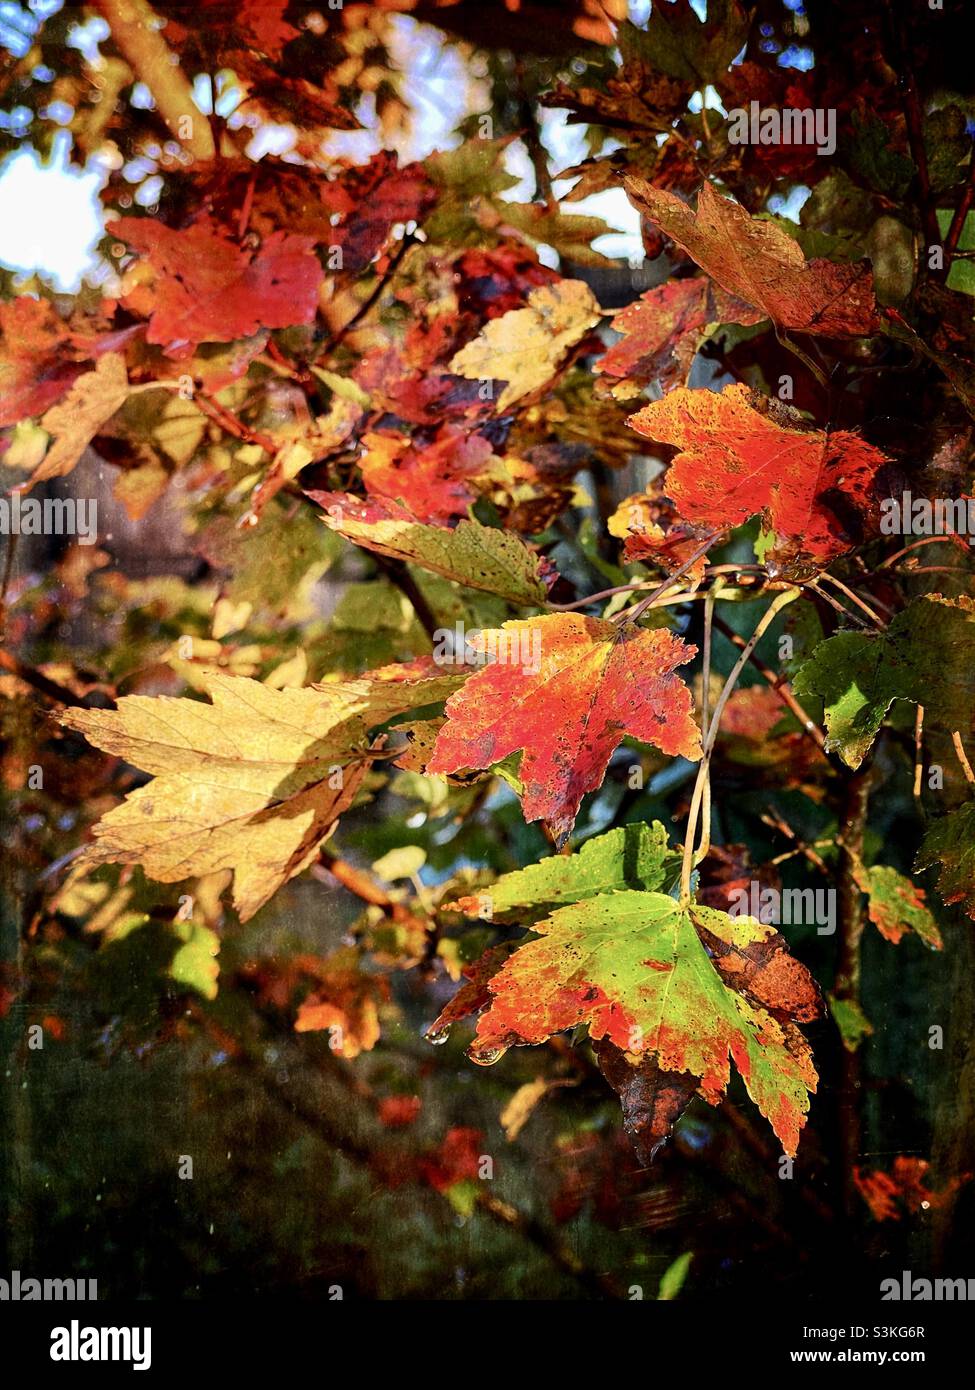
{"x": 587, "y": 965}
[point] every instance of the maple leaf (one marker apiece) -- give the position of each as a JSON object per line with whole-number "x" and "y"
{"x": 570, "y": 234}
{"x": 652, "y": 1100}
{"x": 763, "y": 265}
{"x": 736, "y": 461}
{"x": 663, "y": 330}
{"x": 926, "y": 656}
{"x": 345, "y": 1002}
{"x": 950, "y": 842}
{"x": 369, "y": 200}
{"x": 679, "y": 43}
{"x": 905, "y": 1189}
{"x": 630, "y": 856}
{"x": 258, "y": 24}
{"x": 895, "y": 905}
{"x": 93, "y": 398}
{"x": 757, "y": 963}
{"x": 525, "y": 346}
{"x": 635, "y": 99}
{"x": 456, "y": 1160}
{"x": 34, "y": 367}
{"x": 593, "y": 683}
{"x": 479, "y": 556}
{"x": 431, "y": 480}
{"x": 632, "y": 966}
{"x": 254, "y": 781}
{"x": 647, "y": 524}
{"x": 205, "y": 288}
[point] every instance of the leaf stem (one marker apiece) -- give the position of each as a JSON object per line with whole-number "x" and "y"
{"x": 779, "y": 684}
{"x": 966, "y": 766}
{"x": 709, "y": 737}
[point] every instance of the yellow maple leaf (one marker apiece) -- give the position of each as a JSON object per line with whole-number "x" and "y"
{"x": 254, "y": 781}
{"x": 525, "y": 346}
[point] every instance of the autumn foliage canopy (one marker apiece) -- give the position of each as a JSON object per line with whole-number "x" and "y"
{"x": 542, "y": 608}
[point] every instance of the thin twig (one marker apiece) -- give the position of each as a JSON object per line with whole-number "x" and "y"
{"x": 232, "y": 424}
{"x": 854, "y": 598}
{"x": 779, "y": 684}
{"x": 966, "y": 766}
{"x": 960, "y": 214}
{"x": 382, "y": 281}
{"x": 697, "y": 796}
{"x": 634, "y": 613}
{"x": 914, "y": 545}
{"x": 41, "y": 683}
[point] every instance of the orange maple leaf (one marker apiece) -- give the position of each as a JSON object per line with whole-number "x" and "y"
{"x": 431, "y": 480}
{"x": 566, "y": 690}
{"x": 736, "y": 462}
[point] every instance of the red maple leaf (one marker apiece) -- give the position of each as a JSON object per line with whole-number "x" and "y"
{"x": 205, "y": 288}
{"x": 664, "y": 328}
{"x": 566, "y": 690}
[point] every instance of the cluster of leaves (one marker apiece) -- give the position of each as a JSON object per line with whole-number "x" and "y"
{"x": 372, "y": 368}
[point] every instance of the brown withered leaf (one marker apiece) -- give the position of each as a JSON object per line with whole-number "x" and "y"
{"x": 653, "y": 1100}
{"x": 763, "y": 265}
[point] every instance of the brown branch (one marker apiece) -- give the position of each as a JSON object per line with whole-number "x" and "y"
{"x": 914, "y": 116}
{"x": 132, "y": 23}
{"x": 533, "y": 142}
{"x": 960, "y": 214}
{"x": 383, "y": 280}
{"x": 397, "y": 573}
{"x": 43, "y": 684}
{"x": 318, "y": 1120}
{"x": 853, "y": 823}
{"x": 232, "y": 424}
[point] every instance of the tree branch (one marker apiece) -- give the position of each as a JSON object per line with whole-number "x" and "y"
{"x": 154, "y": 63}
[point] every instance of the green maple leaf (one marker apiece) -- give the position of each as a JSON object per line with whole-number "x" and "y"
{"x": 677, "y": 42}
{"x": 633, "y": 967}
{"x": 631, "y": 856}
{"x": 950, "y": 842}
{"x": 477, "y": 556}
{"x": 895, "y": 905}
{"x": 926, "y": 655}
